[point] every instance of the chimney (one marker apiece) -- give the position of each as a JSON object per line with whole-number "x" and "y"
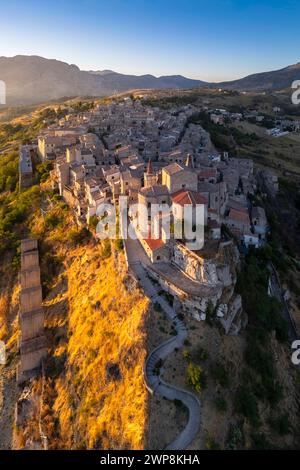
{"x": 189, "y": 161}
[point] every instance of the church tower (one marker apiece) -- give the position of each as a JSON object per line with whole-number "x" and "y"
{"x": 149, "y": 176}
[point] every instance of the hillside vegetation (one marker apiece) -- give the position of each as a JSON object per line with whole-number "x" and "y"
{"x": 99, "y": 400}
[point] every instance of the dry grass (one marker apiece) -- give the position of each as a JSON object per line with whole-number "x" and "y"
{"x": 106, "y": 326}
{"x": 94, "y": 393}
{"x": 4, "y": 309}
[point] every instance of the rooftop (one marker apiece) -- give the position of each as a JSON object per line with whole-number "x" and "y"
{"x": 183, "y": 197}
{"x": 173, "y": 168}
{"x": 154, "y": 191}
{"x": 239, "y": 216}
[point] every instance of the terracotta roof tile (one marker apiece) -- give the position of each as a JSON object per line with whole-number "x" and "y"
{"x": 183, "y": 197}
{"x": 154, "y": 244}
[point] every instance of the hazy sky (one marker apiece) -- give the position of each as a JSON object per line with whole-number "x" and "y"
{"x": 209, "y": 40}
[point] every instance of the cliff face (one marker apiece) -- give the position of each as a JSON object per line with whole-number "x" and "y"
{"x": 219, "y": 274}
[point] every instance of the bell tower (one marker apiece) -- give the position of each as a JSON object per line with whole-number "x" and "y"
{"x": 149, "y": 176}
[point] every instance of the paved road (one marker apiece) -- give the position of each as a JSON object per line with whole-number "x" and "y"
{"x": 155, "y": 384}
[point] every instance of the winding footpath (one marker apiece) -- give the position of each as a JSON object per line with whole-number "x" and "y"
{"x": 155, "y": 384}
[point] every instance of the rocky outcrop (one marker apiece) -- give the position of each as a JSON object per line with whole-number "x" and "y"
{"x": 194, "y": 266}
{"x": 228, "y": 314}
{"x": 216, "y": 278}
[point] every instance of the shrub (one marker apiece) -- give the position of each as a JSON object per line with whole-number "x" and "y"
{"x": 157, "y": 307}
{"x": 201, "y": 354}
{"x": 282, "y": 425}
{"x": 211, "y": 444}
{"x": 273, "y": 390}
{"x": 119, "y": 244}
{"x": 77, "y": 237}
{"x": 235, "y": 437}
{"x": 179, "y": 405}
{"x": 9, "y": 171}
{"x": 43, "y": 170}
{"x": 93, "y": 222}
{"x": 106, "y": 249}
{"x": 195, "y": 377}
{"x": 246, "y": 405}
{"x": 221, "y": 375}
{"x": 186, "y": 354}
{"x": 260, "y": 442}
{"x": 52, "y": 220}
{"x": 221, "y": 404}
{"x": 209, "y": 312}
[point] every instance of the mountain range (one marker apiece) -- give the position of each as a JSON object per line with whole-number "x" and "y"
{"x": 34, "y": 79}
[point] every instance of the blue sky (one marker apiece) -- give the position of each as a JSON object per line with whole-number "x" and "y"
{"x": 209, "y": 40}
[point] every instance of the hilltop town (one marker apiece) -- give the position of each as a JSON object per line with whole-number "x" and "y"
{"x": 156, "y": 156}
{"x": 149, "y": 232}
{"x": 156, "y": 149}
{"x": 150, "y": 155}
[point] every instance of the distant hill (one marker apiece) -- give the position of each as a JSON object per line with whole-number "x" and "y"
{"x": 33, "y": 79}
{"x": 275, "y": 80}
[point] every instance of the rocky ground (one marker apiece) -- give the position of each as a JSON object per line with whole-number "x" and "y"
{"x": 8, "y": 398}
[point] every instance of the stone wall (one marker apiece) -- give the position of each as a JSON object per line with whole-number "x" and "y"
{"x": 217, "y": 275}
{"x": 31, "y": 315}
{"x": 194, "y": 266}
{"x": 194, "y": 305}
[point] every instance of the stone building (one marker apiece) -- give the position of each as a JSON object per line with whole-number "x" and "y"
{"x": 25, "y": 167}
{"x": 176, "y": 177}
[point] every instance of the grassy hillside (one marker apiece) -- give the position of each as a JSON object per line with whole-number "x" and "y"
{"x": 94, "y": 395}
{"x": 99, "y": 398}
